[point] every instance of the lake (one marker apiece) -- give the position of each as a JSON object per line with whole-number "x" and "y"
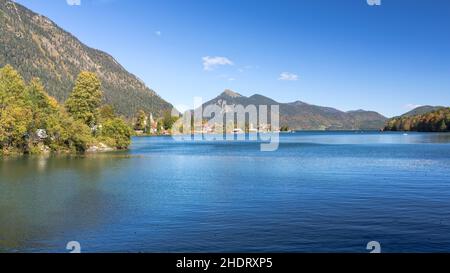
{"x": 319, "y": 192}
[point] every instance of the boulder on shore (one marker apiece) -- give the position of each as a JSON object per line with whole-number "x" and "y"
{"x": 100, "y": 147}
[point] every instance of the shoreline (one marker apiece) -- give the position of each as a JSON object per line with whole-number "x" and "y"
{"x": 290, "y": 132}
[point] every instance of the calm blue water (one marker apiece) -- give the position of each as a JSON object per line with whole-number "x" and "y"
{"x": 320, "y": 192}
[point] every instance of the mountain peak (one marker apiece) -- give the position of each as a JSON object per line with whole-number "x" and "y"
{"x": 298, "y": 103}
{"x": 422, "y": 110}
{"x": 358, "y": 111}
{"x": 258, "y": 96}
{"x": 230, "y": 93}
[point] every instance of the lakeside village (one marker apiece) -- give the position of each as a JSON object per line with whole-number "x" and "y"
{"x": 146, "y": 125}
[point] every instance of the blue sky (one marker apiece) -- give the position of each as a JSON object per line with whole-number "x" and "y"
{"x": 339, "y": 53}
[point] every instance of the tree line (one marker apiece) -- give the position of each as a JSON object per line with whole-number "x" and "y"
{"x": 142, "y": 122}
{"x": 436, "y": 121}
{"x": 32, "y": 122}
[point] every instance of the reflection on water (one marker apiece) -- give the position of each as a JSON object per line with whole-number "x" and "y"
{"x": 321, "y": 191}
{"x": 39, "y": 197}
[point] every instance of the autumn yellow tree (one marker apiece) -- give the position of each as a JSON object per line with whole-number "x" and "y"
{"x": 15, "y": 111}
{"x": 33, "y": 122}
{"x": 85, "y": 99}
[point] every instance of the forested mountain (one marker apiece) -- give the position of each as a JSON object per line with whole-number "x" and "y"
{"x": 434, "y": 121}
{"x": 303, "y": 116}
{"x": 422, "y": 110}
{"x": 37, "y": 47}
{"x": 367, "y": 119}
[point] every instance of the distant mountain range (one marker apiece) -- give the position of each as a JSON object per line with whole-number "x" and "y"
{"x": 303, "y": 116}
{"x": 37, "y": 47}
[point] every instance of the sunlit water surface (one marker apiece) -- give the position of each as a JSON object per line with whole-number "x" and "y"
{"x": 320, "y": 192}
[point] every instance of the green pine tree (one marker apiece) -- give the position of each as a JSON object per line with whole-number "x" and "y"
{"x": 141, "y": 119}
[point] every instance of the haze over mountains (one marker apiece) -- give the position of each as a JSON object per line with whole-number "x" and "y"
{"x": 303, "y": 116}
{"x": 37, "y": 47}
